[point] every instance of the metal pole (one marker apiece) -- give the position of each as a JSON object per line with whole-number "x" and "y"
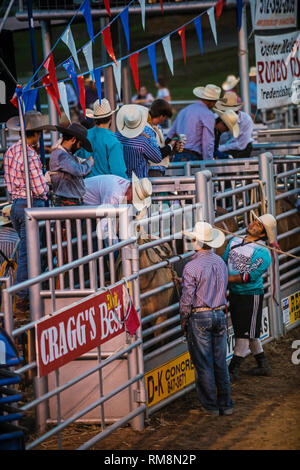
{"x": 204, "y": 194}
{"x": 243, "y": 62}
{"x": 109, "y": 85}
{"x": 6, "y": 14}
{"x": 24, "y": 150}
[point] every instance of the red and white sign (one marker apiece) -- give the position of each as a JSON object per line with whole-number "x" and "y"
{"x": 67, "y": 335}
{"x": 275, "y": 14}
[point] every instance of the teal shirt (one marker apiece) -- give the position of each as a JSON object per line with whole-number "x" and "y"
{"x": 107, "y": 153}
{"x": 250, "y": 258}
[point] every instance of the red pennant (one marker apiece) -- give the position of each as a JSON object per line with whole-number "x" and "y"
{"x": 51, "y": 91}
{"x": 50, "y": 67}
{"x": 82, "y": 93}
{"x": 106, "y": 4}
{"x": 14, "y": 100}
{"x": 181, "y": 33}
{"x": 134, "y": 58}
{"x": 108, "y": 43}
{"x": 219, "y": 8}
{"x": 161, "y": 6}
{"x": 132, "y": 320}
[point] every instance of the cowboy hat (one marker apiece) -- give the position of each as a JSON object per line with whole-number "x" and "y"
{"x": 209, "y": 92}
{"x": 230, "y": 119}
{"x": 100, "y": 111}
{"x": 252, "y": 72}
{"x": 80, "y": 132}
{"x": 5, "y": 218}
{"x": 131, "y": 120}
{"x": 230, "y": 82}
{"x": 34, "y": 121}
{"x": 229, "y": 101}
{"x": 269, "y": 223}
{"x": 141, "y": 192}
{"x": 204, "y": 233}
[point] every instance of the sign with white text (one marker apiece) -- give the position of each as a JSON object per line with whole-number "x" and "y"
{"x": 276, "y": 14}
{"x": 278, "y": 66}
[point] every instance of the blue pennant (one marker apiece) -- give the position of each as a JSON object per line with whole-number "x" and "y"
{"x": 152, "y": 57}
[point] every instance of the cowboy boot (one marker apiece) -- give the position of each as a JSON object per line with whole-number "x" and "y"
{"x": 263, "y": 367}
{"x": 234, "y": 367}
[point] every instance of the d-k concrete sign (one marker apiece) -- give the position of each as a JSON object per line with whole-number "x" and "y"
{"x": 68, "y": 334}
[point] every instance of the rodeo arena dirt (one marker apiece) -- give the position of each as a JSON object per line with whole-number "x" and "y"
{"x": 150, "y": 248}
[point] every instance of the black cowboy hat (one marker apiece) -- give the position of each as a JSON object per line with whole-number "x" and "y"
{"x": 80, "y": 132}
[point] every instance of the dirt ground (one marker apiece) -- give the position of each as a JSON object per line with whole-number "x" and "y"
{"x": 266, "y": 415}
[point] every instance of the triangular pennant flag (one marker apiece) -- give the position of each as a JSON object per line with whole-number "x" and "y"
{"x": 133, "y": 59}
{"x": 161, "y": 6}
{"x": 70, "y": 68}
{"x": 239, "y": 12}
{"x": 50, "y": 67}
{"x": 49, "y": 87}
{"x": 152, "y": 57}
{"x": 211, "y": 16}
{"x": 131, "y": 316}
{"x": 181, "y": 33}
{"x": 197, "y": 23}
{"x": 108, "y": 43}
{"x": 29, "y": 99}
{"x": 14, "y": 99}
{"x": 68, "y": 39}
{"x": 166, "y": 42}
{"x": 107, "y": 6}
{"x": 88, "y": 54}
{"x": 252, "y": 10}
{"x": 125, "y": 23}
{"x": 219, "y": 8}
{"x": 117, "y": 75}
{"x": 143, "y": 12}
{"x": 64, "y": 99}
{"x": 86, "y": 10}
{"x": 82, "y": 93}
{"x": 97, "y": 75}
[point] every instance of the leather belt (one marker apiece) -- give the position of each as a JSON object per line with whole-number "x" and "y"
{"x": 205, "y": 309}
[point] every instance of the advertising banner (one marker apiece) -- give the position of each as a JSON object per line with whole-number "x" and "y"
{"x": 272, "y": 14}
{"x": 291, "y": 308}
{"x": 278, "y": 67}
{"x": 68, "y": 334}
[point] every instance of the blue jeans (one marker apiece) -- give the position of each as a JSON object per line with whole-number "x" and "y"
{"x": 17, "y": 216}
{"x": 186, "y": 156}
{"x": 206, "y": 336}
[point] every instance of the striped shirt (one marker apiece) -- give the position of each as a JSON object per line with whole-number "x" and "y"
{"x": 14, "y": 175}
{"x": 138, "y": 152}
{"x": 204, "y": 283}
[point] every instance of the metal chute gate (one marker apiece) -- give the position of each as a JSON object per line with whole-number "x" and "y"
{"x": 128, "y": 377}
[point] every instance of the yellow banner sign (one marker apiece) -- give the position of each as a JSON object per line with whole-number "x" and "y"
{"x": 169, "y": 378}
{"x": 291, "y": 308}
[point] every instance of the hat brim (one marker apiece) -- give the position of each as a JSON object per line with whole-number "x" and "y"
{"x": 234, "y": 129}
{"x": 85, "y": 142}
{"x": 229, "y": 86}
{"x": 199, "y": 92}
{"x": 14, "y": 125}
{"x": 90, "y": 113}
{"x": 138, "y": 203}
{"x": 269, "y": 231}
{"x": 218, "y": 238}
{"x": 4, "y": 221}
{"x": 126, "y": 131}
{"x": 223, "y": 107}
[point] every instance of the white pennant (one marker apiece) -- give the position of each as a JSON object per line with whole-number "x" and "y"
{"x": 117, "y": 76}
{"x": 64, "y": 98}
{"x": 143, "y": 10}
{"x": 211, "y": 16}
{"x": 67, "y": 37}
{"x": 168, "y": 52}
{"x": 88, "y": 54}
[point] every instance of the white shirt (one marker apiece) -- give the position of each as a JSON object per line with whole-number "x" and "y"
{"x": 105, "y": 189}
{"x": 245, "y": 135}
{"x": 163, "y": 93}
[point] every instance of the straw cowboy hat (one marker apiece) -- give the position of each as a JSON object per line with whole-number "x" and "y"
{"x": 131, "y": 120}
{"x": 141, "y": 192}
{"x": 229, "y": 101}
{"x": 209, "y": 92}
{"x": 269, "y": 223}
{"x": 230, "y": 82}
{"x": 230, "y": 118}
{"x": 252, "y": 72}
{"x": 5, "y": 218}
{"x": 101, "y": 111}
{"x": 204, "y": 233}
{"x": 80, "y": 132}
{"x": 34, "y": 121}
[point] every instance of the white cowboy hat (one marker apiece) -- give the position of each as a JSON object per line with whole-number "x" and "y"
{"x": 5, "y": 218}
{"x": 230, "y": 118}
{"x": 141, "y": 192}
{"x": 229, "y": 101}
{"x": 269, "y": 222}
{"x": 252, "y": 72}
{"x": 204, "y": 233}
{"x": 101, "y": 111}
{"x": 230, "y": 82}
{"x": 34, "y": 121}
{"x": 131, "y": 120}
{"x": 209, "y": 92}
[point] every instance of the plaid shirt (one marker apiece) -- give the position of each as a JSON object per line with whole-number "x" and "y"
{"x": 15, "y": 177}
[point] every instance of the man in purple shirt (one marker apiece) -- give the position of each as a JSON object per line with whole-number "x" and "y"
{"x": 202, "y": 304}
{"x": 197, "y": 122}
